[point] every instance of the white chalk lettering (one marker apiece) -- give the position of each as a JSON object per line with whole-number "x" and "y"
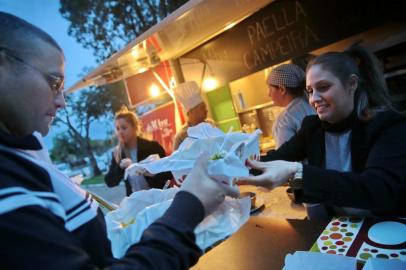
{"x": 310, "y": 35}
{"x": 299, "y": 10}
{"x": 282, "y": 46}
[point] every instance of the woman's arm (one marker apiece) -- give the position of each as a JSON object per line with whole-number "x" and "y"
{"x": 380, "y": 187}
{"x": 115, "y": 173}
{"x": 158, "y": 180}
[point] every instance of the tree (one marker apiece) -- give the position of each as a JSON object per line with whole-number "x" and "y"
{"x": 64, "y": 148}
{"x": 82, "y": 110}
{"x": 106, "y": 26}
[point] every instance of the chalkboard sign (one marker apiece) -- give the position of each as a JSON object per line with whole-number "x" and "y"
{"x": 287, "y": 29}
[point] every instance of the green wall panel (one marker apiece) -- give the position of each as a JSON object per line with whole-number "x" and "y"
{"x": 222, "y": 108}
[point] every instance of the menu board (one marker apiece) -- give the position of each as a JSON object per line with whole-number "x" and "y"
{"x": 364, "y": 238}
{"x": 288, "y": 29}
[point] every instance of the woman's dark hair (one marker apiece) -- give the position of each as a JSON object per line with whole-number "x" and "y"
{"x": 372, "y": 93}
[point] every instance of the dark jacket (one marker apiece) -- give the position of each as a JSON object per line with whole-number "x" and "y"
{"x": 144, "y": 149}
{"x": 34, "y": 236}
{"x": 378, "y": 153}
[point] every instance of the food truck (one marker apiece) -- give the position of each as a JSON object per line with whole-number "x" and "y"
{"x": 229, "y": 46}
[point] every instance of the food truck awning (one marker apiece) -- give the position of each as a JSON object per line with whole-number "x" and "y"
{"x": 188, "y": 27}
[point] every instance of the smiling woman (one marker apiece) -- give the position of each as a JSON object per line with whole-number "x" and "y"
{"x": 355, "y": 145}
{"x": 332, "y": 100}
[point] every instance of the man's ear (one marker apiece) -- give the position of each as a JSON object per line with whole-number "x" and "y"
{"x": 353, "y": 82}
{"x": 283, "y": 90}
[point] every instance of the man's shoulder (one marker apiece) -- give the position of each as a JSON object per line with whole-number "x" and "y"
{"x": 301, "y": 107}
{"x": 24, "y": 184}
{"x": 183, "y": 128}
{"x": 15, "y": 170}
{"x": 182, "y": 131}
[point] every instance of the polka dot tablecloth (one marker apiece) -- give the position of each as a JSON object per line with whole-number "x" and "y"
{"x": 356, "y": 237}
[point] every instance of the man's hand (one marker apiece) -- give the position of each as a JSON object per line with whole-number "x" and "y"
{"x": 210, "y": 192}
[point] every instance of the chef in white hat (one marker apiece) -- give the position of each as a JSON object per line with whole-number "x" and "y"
{"x": 188, "y": 94}
{"x": 286, "y": 88}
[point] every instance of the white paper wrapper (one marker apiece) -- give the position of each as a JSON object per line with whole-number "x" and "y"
{"x": 305, "y": 260}
{"x": 379, "y": 264}
{"x": 237, "y": 146}
{"x": 135, "y": 167}
{"x": 142, "y": 208}
{"x": 200, "y": 131}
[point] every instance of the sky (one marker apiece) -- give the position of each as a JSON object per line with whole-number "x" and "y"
{"x": 45, "y": 15}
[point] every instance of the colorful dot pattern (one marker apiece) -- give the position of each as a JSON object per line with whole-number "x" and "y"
{"x": 367, "y": 251}
{"x": 339, "y": 235}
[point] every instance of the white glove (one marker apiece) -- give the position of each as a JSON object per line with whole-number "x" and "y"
{"x": 274, "y": 173}
{"x": 210, "y": 192}
{"x": 124, "y": 163}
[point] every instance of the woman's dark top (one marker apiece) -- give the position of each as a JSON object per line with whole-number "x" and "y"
{"x": 144, "y": 149}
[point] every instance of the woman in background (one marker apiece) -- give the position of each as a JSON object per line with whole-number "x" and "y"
{"x": 355, "y": 146}
{"x": 130, "y": 149}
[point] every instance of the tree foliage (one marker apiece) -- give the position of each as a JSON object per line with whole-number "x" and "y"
{"x": 83, "y": 109}
{"x": 106, "y": 26}
{"x": 65, "y": 149}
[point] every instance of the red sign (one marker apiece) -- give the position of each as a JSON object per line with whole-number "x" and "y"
{"x": 159, "y": 125}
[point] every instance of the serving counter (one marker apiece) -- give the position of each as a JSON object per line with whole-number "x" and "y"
{"x": 262, "y": 243}
{"x": 280, "y": 227}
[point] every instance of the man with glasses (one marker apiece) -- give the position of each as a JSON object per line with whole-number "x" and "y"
{"x": 36, "y": 228}
{"x": 55, "y": 82}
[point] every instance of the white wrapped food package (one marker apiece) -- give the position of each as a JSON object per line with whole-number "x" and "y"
{"x": 134, "y": 168}
{"x": 231, "y": 150}
{"x": 136, "y": 212}
{"x": 306, "y": 260}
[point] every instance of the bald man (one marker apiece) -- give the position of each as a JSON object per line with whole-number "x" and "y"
{"x": 41, "y": 227}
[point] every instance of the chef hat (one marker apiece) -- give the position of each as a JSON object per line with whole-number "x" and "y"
{"x": 188, "y": 94}
{"x": 288, "y": 75}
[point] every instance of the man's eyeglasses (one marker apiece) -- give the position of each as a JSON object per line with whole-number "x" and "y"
{"x": 54, "y": 82}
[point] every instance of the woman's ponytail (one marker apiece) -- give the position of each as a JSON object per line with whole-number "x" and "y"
{"x": 372, "y": 94}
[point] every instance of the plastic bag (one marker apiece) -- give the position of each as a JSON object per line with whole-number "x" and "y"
{"x": 126, "y": 224}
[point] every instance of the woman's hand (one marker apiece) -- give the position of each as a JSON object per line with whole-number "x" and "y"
{"x": 274, "y": 173}
{"x": 144, "y": 172}
{"x": 210, "y": 192}
{"x": 125, "y": 162}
